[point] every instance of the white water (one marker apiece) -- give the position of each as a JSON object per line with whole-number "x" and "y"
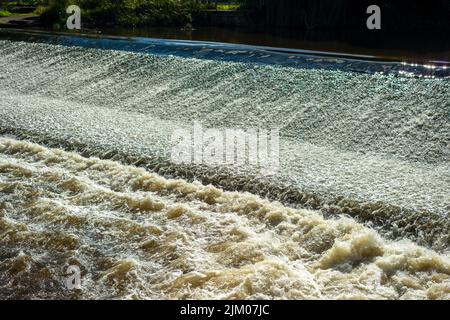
{"x": 137, "y": 235}
{"x": 379, "y": 143}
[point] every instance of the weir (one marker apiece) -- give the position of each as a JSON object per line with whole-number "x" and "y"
{"x": 239, "y": 53}
{"x": 358, "y": 136}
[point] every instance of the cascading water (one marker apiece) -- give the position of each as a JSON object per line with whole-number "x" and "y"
{"x": 368, "y": 152}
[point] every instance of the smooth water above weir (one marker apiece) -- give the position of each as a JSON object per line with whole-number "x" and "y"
{"x": 281, "y": 56}
{"x": 417, "y": 46}
{"x": 364, "y": 143}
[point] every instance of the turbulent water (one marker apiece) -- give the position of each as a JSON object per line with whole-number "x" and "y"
{"x": 138, "y": 235}
{"x": 358, "y": 209}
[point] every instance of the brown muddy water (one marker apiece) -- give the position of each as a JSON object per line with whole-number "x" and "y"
{"x": 138, "y": 235}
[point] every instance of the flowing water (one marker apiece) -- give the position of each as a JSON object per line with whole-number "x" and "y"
{"x": 358, "y": 208}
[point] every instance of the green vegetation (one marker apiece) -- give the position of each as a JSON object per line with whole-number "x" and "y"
{"x": 227, "y": 6}
{"x": 125, "y": 12}
{"x": 4, "y": 13}
{"x": 17, "y": 8}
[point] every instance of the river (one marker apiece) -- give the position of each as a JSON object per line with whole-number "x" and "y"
{"x": 358, "y": 207}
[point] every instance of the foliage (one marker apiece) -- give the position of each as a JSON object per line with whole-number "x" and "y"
{"x": 4, "y": 13}
{"x": 125, "y": 12}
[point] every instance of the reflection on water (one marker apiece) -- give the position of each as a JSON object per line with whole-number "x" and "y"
{"x": 416, "y": 46}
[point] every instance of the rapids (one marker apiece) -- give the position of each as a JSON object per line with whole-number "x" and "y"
{"x": 358, "y": 208}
